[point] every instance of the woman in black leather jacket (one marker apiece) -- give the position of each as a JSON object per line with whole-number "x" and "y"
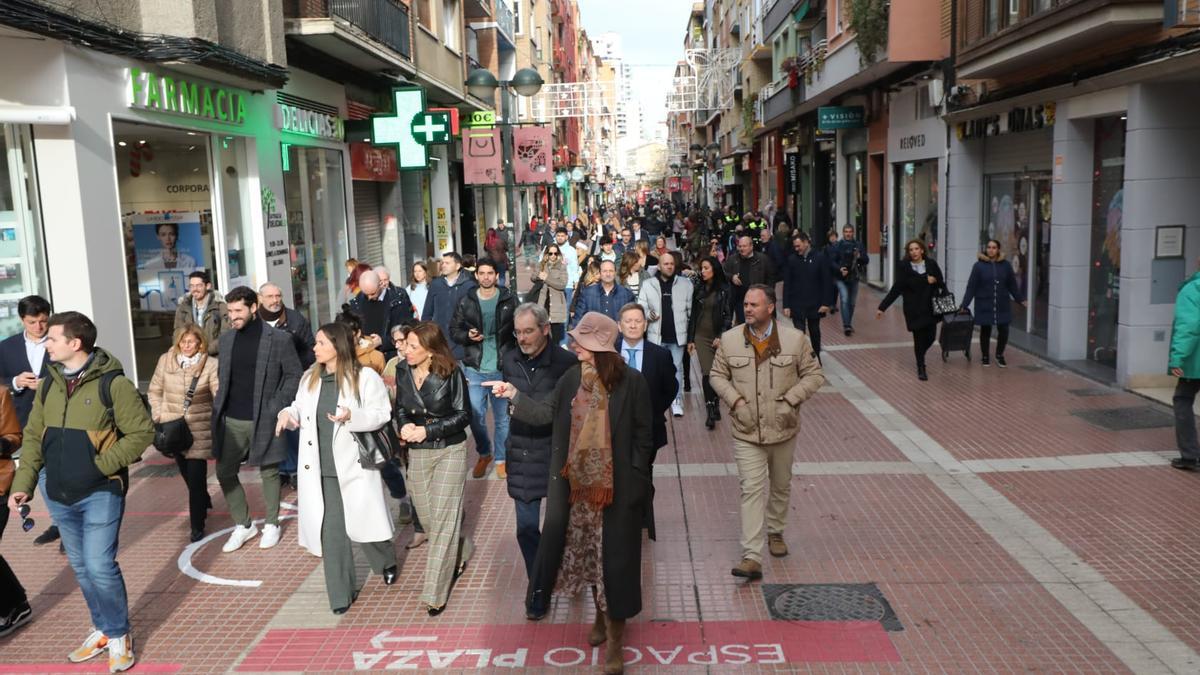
{"x": 712, "y": 315}
{"x": 432, "y": 411}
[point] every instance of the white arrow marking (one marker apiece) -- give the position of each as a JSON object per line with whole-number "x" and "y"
{"x": 386, "y": 636}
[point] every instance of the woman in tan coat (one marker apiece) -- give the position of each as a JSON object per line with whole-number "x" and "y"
{"x": 553, "y": 273}
{"x": 188, "y": 360}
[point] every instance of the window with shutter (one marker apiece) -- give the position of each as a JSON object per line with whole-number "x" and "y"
{"x": 368, "y": 226}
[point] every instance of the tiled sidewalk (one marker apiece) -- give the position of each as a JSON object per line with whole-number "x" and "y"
{"x": 948, "y": 496}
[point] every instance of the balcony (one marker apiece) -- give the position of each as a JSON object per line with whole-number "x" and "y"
{"x": 1060, "y": 29}
{"x": 779, "y": 100}
{"x": 506, "y": 22}
{"x": 779, "y": 11}
{"x": 370, "y": 34}
{"x": 477, "y": 9}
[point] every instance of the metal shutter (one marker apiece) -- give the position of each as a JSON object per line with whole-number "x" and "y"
{"x": 1019, "y": 152}
{"x": 368, "y": 225}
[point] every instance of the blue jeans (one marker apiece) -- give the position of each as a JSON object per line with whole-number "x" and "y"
{"x": 677, "y": 357}
{"x": 528, "y": 533}
{"x": 90, "y": 529}
{"x": 481, "y": 400}
{"x": 847, "y": 293}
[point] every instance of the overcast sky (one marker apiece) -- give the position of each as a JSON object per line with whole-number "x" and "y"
{"x": 652, "y": 38}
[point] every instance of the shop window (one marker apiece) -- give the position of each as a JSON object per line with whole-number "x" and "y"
{"x": 993, "y": 19}
{"x": 22, "y": 255}
{"x": 856, "y": 217}
{"x": 1108, "y": 182}
{"x": 314, "y": 190}
{"x": 1038, "y": 6}
{"x": 165, "y": 180}
{"x": 517, "y": 14}
{"x": 233, "y": 171}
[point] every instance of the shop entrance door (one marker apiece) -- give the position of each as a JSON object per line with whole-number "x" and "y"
{"x": 1038, "y": 294}
{"x": 1018, "y": 216}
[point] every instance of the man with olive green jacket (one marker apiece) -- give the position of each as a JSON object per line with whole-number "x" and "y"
{"x": 86, "y": 452}
{"x": 764, "y": 370}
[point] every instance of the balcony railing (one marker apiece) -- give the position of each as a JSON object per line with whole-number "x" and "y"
{"x": 384, "y": 20}
{"x": 505, "y": 20}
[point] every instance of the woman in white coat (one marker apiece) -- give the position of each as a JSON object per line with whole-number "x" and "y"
{"x": 339, "y": 501}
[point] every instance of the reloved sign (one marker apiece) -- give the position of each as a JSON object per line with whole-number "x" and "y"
{"x": 507, "y": 647}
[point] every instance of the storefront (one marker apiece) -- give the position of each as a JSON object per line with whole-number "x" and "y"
{"x": 22, "y": 251}
{"x": 1013, "y": 153}
{"x": 916, "y": 147}
{"x": 310, "y": 117}
{"x": 155, "y": 173}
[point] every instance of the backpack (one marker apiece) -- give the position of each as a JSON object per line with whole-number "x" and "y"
{"x": 106, "y": 398}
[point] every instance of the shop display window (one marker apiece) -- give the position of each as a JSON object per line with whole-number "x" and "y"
{"x": 22, "y": 255}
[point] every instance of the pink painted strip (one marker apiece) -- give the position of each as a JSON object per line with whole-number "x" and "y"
{"x": 719, "y": 645}
{"x": 98, "y": 665}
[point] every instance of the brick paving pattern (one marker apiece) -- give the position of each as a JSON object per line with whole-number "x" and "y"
{"x": 941, "y": 539}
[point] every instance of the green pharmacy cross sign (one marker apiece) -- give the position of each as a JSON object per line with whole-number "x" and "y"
{"x": 411, "y": 128}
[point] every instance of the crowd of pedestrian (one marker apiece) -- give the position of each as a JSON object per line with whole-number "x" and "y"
{"x": 565, "y": 390}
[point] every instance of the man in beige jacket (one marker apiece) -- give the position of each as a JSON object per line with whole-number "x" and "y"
{"x": 764, "y": 370}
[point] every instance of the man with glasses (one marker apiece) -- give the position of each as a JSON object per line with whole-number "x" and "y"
{"x": 533, "y": 368}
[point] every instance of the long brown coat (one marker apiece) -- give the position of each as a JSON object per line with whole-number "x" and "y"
{"x": 632, "y": 447}
{"x": 168, "y": 388}
{"x": 10, "y": 430}
{"x": 553, "y": 297}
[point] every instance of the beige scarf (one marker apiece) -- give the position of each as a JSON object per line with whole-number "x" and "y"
{"x": 589, "y": 467}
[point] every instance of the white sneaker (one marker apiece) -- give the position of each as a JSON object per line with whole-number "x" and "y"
{"x": 677, "y": 409}
{"x": 240, "y": 536}
{"x": 271, "y": 535}
{"x": 120, "y": 654}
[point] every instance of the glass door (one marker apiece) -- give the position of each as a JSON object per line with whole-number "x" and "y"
{"x": 1038, "y": 295}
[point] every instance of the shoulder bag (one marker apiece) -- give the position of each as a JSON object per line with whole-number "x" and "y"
{"x": 376, "y": 448}
{"x": 173, "y": 438}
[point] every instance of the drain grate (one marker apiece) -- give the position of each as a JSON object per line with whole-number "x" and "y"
{"x": 1090, "y": 391}
{"x": 1126, "y": 419}
{"x": 156, "y": 471}
{"x": 830, "y": 602}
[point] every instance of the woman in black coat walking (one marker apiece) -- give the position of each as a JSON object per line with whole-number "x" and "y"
{"x": 917, "y": 282}
{"x": 712, "y": 315}
{"x": 599, "y": 482}
{"x": 991, "y": 284}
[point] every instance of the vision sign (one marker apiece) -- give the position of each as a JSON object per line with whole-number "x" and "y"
{"x": 148, "y": 90}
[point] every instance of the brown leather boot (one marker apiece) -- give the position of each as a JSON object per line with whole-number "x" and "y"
{"x": 598, "y": 634}
{"x": 614, "y": 652}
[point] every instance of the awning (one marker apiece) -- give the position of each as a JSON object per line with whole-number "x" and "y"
{"x": 36, "y": 114}
{"x": 801, "y": 11}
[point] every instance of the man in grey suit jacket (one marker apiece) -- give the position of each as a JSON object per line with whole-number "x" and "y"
{"x": 259, "y": 373}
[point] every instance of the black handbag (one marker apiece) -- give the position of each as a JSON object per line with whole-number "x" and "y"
{"x": 376, "y": 447}
{"x": 174, "y": 437}
{"x": 534, "y": 291}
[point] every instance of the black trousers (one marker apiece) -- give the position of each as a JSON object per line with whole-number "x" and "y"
{"x": 985, "y": 336}
{"x": 195, "y": 476}
{"x": 557, "y": 331}
{"x": 809, "y": 321}
{"x": 12, "y": 593}
{"x": 923, "y": 339}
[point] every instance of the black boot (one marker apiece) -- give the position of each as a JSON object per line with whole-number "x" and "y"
{"x": 711, "y": 400}
{"x": 921, "y": 374}
{"x": 710, "y": 421}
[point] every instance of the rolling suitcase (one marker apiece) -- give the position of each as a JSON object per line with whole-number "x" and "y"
{"x": 956, "y": 333}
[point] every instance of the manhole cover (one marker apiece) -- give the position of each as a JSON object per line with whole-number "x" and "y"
{"x": 829, "y": 602}
{"x": 1090, "y": 391}
{"x": 156, "y": 471}
{"x": 1126, "y": 419}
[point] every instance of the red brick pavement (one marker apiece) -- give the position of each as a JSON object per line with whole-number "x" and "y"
{"x": 964, "y": 603}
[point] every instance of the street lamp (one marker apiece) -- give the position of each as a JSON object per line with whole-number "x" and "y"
{"x": 482, "y": 84}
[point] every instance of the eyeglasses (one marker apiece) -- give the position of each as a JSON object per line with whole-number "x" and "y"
{"x": 552, "y": 254}
{"x": 26, "y": 522}
{"x": 526, "y": 333}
